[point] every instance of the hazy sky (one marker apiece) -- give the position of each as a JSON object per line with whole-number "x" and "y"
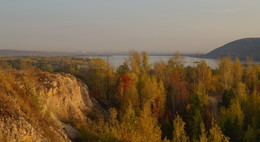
{"x": 120, "y": 25}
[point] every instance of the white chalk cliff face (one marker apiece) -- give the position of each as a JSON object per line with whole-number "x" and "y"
{"x": 39, "y": 106}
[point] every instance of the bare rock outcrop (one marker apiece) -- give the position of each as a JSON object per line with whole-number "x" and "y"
{"x": 40, "y": 106}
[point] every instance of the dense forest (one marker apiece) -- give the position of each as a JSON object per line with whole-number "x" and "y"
{"x": 165, "y": 101}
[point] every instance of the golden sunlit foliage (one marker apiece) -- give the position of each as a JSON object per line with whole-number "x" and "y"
{"x": 165, "y": 101}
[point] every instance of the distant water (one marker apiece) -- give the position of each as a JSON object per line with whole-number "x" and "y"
{"x": 117, "y": 60}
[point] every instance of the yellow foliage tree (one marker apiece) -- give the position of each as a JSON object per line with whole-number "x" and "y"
{"x": 225, "y": 73}
{"x": 148, "y": 126}
{"x": 216, "y": 134}
{"x": 203, "y": 136}
{"x": 237, "y": 72}
{"x": 179, "y": 134}
{"x": 135, "y": 62}
{"x": 231, "y": 113}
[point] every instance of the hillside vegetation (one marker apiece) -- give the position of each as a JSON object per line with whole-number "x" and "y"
{"x": 164, "y": 101}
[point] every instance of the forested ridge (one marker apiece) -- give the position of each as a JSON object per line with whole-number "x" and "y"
{"x": 164, "y": 101}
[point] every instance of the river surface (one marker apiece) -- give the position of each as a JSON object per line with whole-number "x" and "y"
{"x": 117, "y": 60}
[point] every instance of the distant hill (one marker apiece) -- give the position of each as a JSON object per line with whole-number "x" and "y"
{"x": 242, "y": 48}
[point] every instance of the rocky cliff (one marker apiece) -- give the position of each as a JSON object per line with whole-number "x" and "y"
{"x": 39, "y": 106}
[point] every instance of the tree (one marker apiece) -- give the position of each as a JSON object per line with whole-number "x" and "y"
{"x": 233, "y": 111}
{"x": 251, "y": 110}
{"x": 251, "y": 77}
{"x": 250, "y": 135}
{"x": 233, "y": 130}
{"x": 177, "y": 92}
{"x": 179, "y": 134}
{"x": 160, "y": 100}
{"x": 98, "y": 76}
{"x": 161, "y": 72}
{"x": 129, "y": 116}
{"x": 150, "y": 90}
{"x": 240, "y": 91}
{"x": 176, "y": 61}
{"x": 225, "y": 73}
{"x": 204, "y": 76}
{"x": 237, "y": 72}
{"x": 201, "y": 91}
{"x": 197, "y": 122}
{"x": 123, "y": 69}
{"x": 231, "y": 120}
{"x": 113, "y": 117}
{"x": 227, "y": 96}
{"x": 216, "y": 134}
{"x": 203, "y": 135}
{"x": 135, "y": 62}
{"x": 145, "y": 62}
{"x": 127, "y": 91}
{"x": 148, "y": 126}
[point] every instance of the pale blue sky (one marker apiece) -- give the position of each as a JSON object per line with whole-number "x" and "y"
{"x": 119, "y": 25}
